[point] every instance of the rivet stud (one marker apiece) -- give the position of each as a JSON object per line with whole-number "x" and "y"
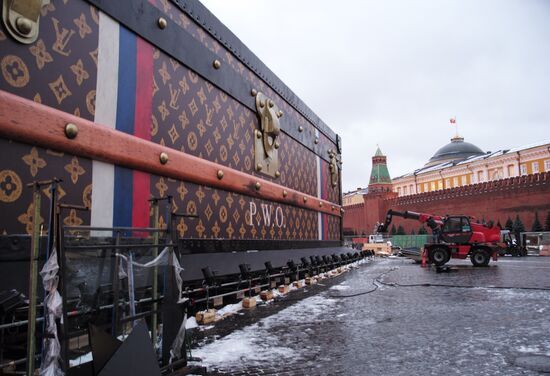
{"x": 24, "y": 25}
{"x": 162, "y": 23}
{"x": 71, "y": 130}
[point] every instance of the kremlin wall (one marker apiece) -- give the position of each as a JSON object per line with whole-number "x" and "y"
{"x": 489, "y": 186}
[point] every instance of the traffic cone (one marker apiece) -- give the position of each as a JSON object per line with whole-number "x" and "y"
{"x": 424, "y": 258}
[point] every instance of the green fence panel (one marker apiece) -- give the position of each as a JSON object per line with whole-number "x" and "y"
{"x": 409, "y": 241}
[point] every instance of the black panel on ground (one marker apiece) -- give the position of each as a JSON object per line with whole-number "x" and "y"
{"x": 103, "y": 347}
{"x": 135, "y": 356}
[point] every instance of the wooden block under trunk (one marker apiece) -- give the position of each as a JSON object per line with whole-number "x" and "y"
{"x": 266, "y": 295}
{"x": 297, "y": 284}
{"x": 283, "y": 289}
{"x": 249, "y": 302}
{"x": 310, "y": 281}
{"x": 206, "y": 317}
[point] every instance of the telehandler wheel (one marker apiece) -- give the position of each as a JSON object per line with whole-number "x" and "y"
{"x": 439, "y": 256}
{"x": 480, "y": 257}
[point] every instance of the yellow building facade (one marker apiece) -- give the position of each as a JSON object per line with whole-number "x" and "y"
{"x": 460, "y": 163}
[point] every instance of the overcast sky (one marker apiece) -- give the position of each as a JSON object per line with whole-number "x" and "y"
{"x": 394, "y": 72}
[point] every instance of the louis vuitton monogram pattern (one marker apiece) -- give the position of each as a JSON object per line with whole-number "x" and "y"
{"x": 192, "y": 115}
{"x": 23, "y": 164}
{"x": 226, "y": 215}
{"x": 333, "y": 228}
{"x": 227, "y": 57}
{"x": 58, "y": 70}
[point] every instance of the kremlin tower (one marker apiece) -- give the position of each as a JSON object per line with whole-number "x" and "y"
{"x": 380, "y": 189}
{"x": 380, "y": 180}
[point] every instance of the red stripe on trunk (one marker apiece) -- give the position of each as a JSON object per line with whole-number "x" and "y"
{"x": 142, "y": 129}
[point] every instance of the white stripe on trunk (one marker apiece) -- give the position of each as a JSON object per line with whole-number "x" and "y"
{"x": 103, "y": 174}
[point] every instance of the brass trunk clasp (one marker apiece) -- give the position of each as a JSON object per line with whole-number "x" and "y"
{"x": 22, "y": 17}
{"x": 266, "y": 140}
{"x": 334, "y": 167}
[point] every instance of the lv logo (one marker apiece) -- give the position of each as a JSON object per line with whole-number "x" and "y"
{"x": 62, "y": 38}
{"x": 174, "y": 95}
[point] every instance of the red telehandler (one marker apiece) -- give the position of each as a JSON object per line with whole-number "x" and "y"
{"x": 455, "y": 236}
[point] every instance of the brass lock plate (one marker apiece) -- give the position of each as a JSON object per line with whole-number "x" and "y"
{"x": 266, "y": 139}
{"x": 22, "y": 18}
{"x": 335, "y": 162}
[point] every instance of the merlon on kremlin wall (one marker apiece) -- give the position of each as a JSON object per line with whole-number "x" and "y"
{"x": 489, "y": 186}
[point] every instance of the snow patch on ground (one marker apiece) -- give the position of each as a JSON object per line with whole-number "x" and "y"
{"x": 229, "y": 309}
{"x": 529, "y": 349}
{"x": 340, "y": 287}
{"x": 191, "y": 323}
{"x": 514, "y": 294}
{"x": 248, "y": 345}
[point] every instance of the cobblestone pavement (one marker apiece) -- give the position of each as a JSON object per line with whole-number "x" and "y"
{"x": 394, "y": 330}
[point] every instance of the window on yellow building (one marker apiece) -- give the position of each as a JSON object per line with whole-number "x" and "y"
{"x": 480, "y": 176}
{"x": 425, "y": 187}
{"x": 440, "y": 184}
{"x": 511, "y": 170}
{"x": 463, "y": 180}
{"x": 447, "y": 183}
{"x": 523, "y": 169}
{"x": 547, "y": 165}
{"x": 455, "y": 181}
{"x": 411, "y": 189}
{"x": 432, "y": 186}
{"x": 497, "y": 174}
{"x": 535, "y": 167}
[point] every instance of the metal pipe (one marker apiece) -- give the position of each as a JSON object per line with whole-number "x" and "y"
{"x": 16, "y": 362}
{"x": 131, "y": 296}
{"x": 33, "y": 280}
{"x": 155, "y": 272}
{"x": 202, "y": 289}
{"x": 128, "y": 246}
{"x": 78, "y": 313}
{"x": 228, "y": 293}
{"x": 115, "y": 284}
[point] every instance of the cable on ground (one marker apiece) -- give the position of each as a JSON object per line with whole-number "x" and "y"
{"x": 365, "y": 292}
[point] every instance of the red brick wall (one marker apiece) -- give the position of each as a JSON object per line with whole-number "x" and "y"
{"x": 496, "y": 201}
{"x": 361, "y": 218}
{"x": 355, "y": 219}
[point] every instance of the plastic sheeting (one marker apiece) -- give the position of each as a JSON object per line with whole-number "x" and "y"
{"x": 177, "y": 345}
{"x": 165, "y": 258}
{"x": 51, "y": 353}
